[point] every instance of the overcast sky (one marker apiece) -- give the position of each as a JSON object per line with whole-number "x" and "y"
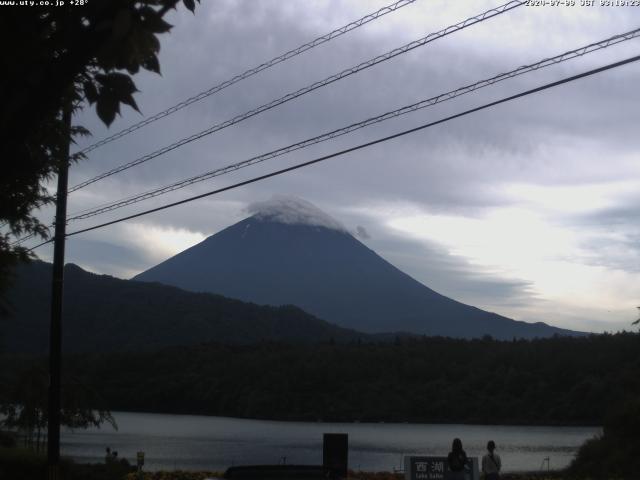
{"x": 529, "y": 209}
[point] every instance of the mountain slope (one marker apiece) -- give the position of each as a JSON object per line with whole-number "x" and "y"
{"x": 103, "y": 313}
{"x": 268, "y": 259}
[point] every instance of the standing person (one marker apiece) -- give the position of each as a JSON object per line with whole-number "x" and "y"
{"x": 491, "y": 463}
{"x": 457, "y": 460}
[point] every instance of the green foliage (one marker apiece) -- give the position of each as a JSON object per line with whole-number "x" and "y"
{"x": 22, "y": 464}
{"x": 616, "y": 453}
{"x": 24, "y": 405}
{"x": 56, "y": 59}
{"x": 551, "y": 381}
{"x": 8, "y": 439}
{"x": 188, "y": 475}
{"x": 175, "y": 475}
{"x": 25, "y": 464}
{"x": 400, "y": 476}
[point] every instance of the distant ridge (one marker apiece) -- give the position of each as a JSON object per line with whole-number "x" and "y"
{"x": 107, "y": 314}
{"x": 290, "y": 252}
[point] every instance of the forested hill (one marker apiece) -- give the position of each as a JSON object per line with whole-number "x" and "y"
{"x": 106, "y": 314}
{"x": 549, "y": 381}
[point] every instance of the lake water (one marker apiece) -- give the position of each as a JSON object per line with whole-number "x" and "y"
{"x": 190, "y": 442}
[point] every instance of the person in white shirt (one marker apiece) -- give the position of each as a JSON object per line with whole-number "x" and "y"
{"x": 491, "y": 463}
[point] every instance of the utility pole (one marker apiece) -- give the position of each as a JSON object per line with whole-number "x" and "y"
{"x": 55, "y": 331}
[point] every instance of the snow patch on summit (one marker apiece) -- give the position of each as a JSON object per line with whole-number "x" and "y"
{"x": 293, "y": 211}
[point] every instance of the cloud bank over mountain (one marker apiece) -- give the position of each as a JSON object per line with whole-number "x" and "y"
{"x": 293, "y": 211}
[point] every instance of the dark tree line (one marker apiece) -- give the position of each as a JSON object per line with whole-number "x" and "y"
{"x": 549, "y": 381}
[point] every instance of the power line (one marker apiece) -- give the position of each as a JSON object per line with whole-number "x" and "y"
{"x": 303, "y": 91}
{"x": 252, "y": 71}
{"x": 40, "y": 245}
{"x": 361, "y": 146}
{"x": 355, "y": 126}
{"x": 19, "y": 241}
{"x": 246, "y": 74}
{"x": 110, "y": 206}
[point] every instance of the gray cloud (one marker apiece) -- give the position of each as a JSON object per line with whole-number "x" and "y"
{"x": 504, "y": 147}
{"x": 578, "y": 134}
{"x": 113, "y": 259}
{"x": 293, "y": 210}
{"x": 455, "y": 277}
{"x": 362, "y": 233}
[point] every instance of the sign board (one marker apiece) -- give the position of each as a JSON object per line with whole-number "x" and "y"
{"x": 437, "y": 468}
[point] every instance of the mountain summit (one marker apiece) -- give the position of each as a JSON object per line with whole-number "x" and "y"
{"x": 290, "y": 252}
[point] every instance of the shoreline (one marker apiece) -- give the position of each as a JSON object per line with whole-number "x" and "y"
{"x": 202, "y": 442}
{"x": 206, "y": 475}
{"x": 359, "y": 422}
{"x": 18, "y": 462}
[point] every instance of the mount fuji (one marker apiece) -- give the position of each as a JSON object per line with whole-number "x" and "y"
{"x": 290, "y": 252}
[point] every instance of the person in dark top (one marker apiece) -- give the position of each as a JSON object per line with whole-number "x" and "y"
{"x": 457, "y": 459}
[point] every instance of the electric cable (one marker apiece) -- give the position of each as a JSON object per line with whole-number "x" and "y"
{"x": 303, "y": 91}
{"x": 107, "y": 207}
{"x": 359, "y": 147}
{"x": 19, "y": 241}
{"x": 246, "y": 74}
{"x": 252, "y": 71}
